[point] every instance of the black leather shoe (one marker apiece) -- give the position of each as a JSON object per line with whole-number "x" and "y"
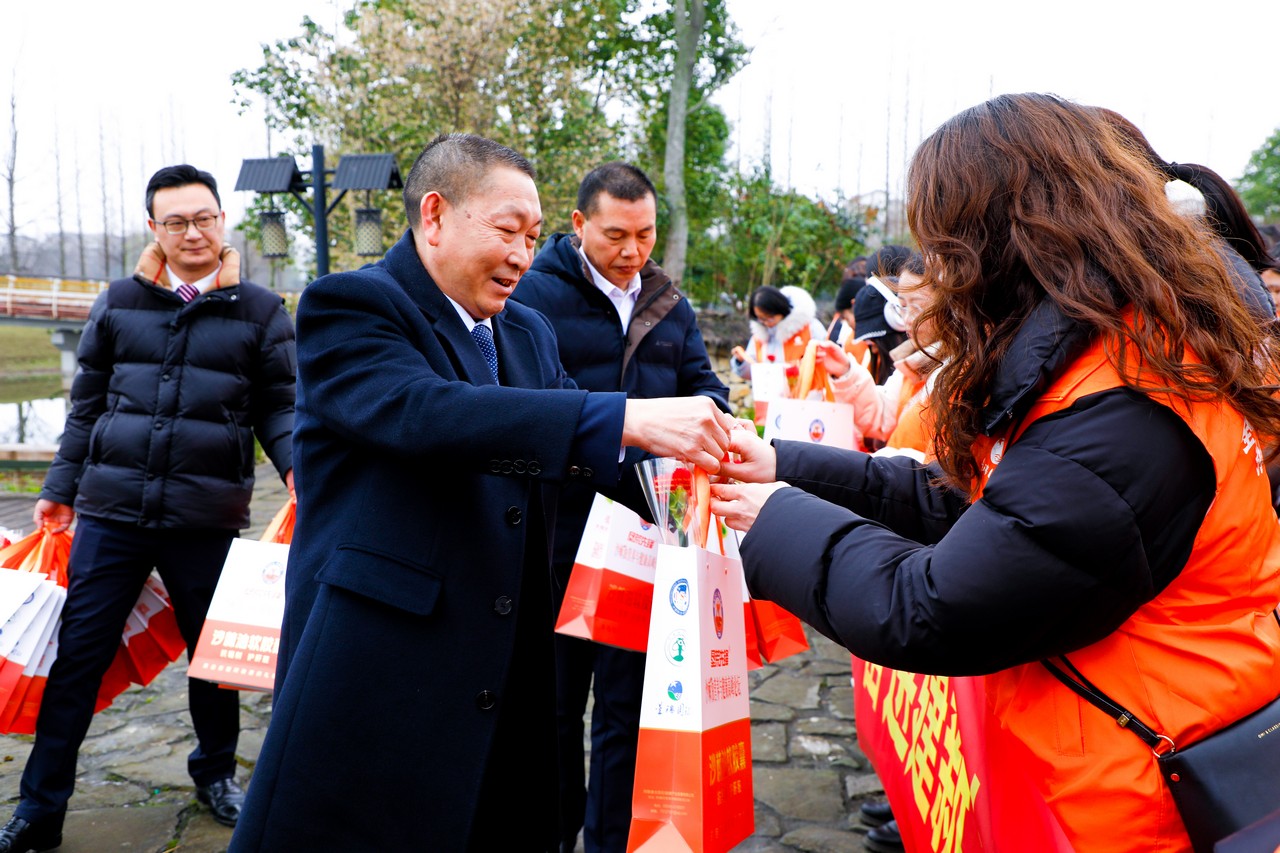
{"x": 875, "y": 814}
{"x": 885, "y": 839}
{"x": 21, "y": 836}
{"x": 224, "y": 798}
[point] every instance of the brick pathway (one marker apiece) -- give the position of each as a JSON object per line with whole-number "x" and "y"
{"x": 133, "y": 792}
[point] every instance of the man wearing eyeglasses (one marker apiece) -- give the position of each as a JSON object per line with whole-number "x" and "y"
{"x": 181, "y": 366}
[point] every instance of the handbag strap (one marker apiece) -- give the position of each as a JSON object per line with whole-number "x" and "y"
{"x": 1124, "y": 719}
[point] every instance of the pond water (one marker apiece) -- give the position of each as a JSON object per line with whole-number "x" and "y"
{"x": 32, "y": 410}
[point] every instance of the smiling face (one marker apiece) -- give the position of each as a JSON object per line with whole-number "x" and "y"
{"x": 619, "y": 235}
{"x": 193, "y": 254}
{"x": 476, "y": 250}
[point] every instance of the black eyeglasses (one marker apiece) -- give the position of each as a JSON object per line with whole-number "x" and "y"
{"x": 180, "y": 226}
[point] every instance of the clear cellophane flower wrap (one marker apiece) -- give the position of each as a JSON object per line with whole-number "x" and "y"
{"x": 679, "y": 496}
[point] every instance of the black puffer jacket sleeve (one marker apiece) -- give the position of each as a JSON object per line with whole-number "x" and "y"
{"x": 272, "y": 400}
{"x": 1089, "y": 515}
{"x": 88, "y": 402}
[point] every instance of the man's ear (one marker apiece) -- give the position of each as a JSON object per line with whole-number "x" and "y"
{"x": 431, "y": 211}
{"x": 579, "y": 222}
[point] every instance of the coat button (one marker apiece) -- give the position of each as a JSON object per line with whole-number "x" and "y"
{"x": 159, "y": 425}
{"x": 495, "y": 466}
{"x": 514, "y": 516}
{"x": 486, "y": 699}
{"x": 519, "y": 466}
{"x": 587, "y": 472}
{"x": 502, "y": 606}
{"x": 535, "y": 469}
{"x": 574, "y": 470}
{"x": 165, "y": 377}
{"x": 506, "y": 466}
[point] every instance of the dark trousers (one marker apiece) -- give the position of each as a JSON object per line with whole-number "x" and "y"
{"x": 109, "y": 564}
{"x": 602, "y": 807}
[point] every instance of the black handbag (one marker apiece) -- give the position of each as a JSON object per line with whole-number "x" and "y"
{"x": 1221, "y": 783}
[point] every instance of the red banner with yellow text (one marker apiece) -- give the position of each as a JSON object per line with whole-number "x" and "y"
{"x": 950, "y": 775}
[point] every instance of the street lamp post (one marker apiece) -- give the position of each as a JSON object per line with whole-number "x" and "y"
{"x": 355, "y": 172}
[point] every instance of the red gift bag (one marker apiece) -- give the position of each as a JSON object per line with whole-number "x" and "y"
{"x": 150, "y": 642}
{"x": 34, "y": 569}
{"x": 281, "y": 527}
{"x": 239, "y": 642}
{"x": 693, "y": 786}
{"x": 772, "y": 633}
{"x": 610, "y": 589}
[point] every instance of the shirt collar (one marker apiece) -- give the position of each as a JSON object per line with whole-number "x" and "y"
{"x": 467, "y": 320}
{"x": 607, "y": 287}
{"x": 203, "y": 285}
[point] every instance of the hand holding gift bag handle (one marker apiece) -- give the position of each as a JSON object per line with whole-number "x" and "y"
{"x": 53, "y": 514}
{"x": 281, "y": 527}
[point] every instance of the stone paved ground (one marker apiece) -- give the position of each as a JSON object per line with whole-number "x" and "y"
{"x": 133, "y": 792}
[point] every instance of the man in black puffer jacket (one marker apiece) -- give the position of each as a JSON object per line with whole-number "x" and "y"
{"x": 180, "y": 367}
{"x": 621, "y": 325}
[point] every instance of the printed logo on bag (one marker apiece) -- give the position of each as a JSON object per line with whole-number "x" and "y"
{"x": 675, "y": 690}
{"x": 273, "y": 571}
{"x": 679, "y": 596}
{"x": 717, "y": 613}
{"x": 817, "y": 430}
{"x": 675, "y": 647}
{"x": 644, "y": 525}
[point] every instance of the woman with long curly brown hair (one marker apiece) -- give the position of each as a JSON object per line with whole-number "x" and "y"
{"x": 1099, "y": 493}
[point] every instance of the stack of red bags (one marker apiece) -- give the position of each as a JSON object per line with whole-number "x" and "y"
{"x": 33, "y": 582}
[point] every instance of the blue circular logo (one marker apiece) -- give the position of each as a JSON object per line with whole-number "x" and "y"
{"x": 675, "y": 690}
{"x": 680, "y": 596}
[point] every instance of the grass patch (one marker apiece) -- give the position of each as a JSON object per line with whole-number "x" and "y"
{"x": 24, "y": 350}
{"x": 20, "y": 389}
{"x": 21, "y": 482}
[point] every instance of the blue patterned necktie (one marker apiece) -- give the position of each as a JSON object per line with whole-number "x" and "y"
{"x": 484, "y": 340}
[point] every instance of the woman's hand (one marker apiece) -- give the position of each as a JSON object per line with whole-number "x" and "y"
{"x": 833, "y": 359}
{"x": 751, "y": 458}
{"x": 739, "y": 504}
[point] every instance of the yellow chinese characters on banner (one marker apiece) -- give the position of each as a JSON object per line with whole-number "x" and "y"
{"x": 919, "y": 715}
{"x": 932, "y": 743}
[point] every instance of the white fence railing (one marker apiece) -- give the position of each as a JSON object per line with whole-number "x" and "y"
{"x": 48, "y": 298}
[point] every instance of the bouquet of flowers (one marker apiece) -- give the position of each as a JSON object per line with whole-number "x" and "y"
{"x": 679, "y": 496}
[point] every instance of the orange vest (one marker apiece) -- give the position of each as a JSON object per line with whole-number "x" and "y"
{"x": 912, "y": 430}
{"x": 1203, "y": 653}
{"x": 792, "y": 348}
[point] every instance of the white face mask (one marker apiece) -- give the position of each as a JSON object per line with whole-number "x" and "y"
{"x": 892, "y": 305}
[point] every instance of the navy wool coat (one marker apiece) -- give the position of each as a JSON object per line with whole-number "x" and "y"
{"x": 415, "y": 695}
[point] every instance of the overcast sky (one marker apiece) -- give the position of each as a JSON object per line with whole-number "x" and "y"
{"x": 845, "y": 89}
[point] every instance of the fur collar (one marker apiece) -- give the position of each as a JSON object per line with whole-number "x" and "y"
{"x": 803, "y": 311}
{"x": 151, "y": 268}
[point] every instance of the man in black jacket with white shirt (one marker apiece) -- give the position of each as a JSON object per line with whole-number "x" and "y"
{"x": 621, "y": 325}
{"x": 181, "y": 366}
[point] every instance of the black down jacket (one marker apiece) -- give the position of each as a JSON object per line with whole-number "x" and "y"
{"x": 166, "y": 403}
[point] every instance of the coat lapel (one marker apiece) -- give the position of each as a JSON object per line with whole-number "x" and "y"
{"x": 517, "y": 352}
{"x": 406, "y": 267}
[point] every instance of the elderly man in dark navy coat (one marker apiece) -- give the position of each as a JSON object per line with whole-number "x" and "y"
{"x": 415, "y": 703}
